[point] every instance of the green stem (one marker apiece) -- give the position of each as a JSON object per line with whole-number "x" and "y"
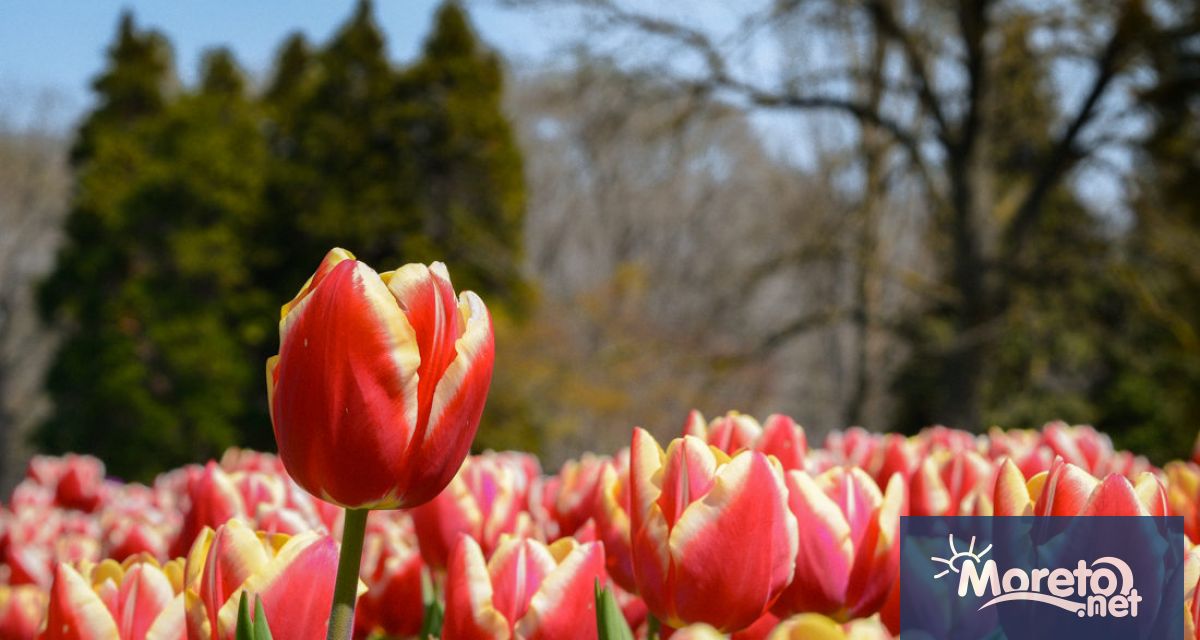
{"x": 345, "y": 590}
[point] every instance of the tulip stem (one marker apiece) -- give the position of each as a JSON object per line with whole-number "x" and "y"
{"x": 345, "y": 590}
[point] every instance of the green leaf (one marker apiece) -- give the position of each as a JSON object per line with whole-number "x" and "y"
{"x": 261, "y": 630}
{"x": 257, "y": 628}
{"x": 609, "y": 619}
{"x": 245, "y": 628}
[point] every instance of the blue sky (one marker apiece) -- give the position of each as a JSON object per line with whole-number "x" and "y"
{"x": 60, "y": 44}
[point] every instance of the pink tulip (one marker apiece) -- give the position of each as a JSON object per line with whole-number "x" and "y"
{"x": 1069, "y": 490}
{"x": 213, "y": 500}
{"x": 293, "y": 575}
{"x": 693, "y": 510}
{"x": 526, "y": 590}
{"x": 483, "y": 501}
{"x": 848, "y": 557}
{"x": 137, "y": 600}
{"x": 379, "y": 383}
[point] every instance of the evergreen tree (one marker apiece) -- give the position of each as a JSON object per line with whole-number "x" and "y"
{"x": 198, "y": 212}
{"x": 472, "y": 199}
{"x": 154, "y": 284}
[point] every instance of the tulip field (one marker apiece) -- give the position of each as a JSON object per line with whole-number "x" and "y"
{"x": 374, "y": 522}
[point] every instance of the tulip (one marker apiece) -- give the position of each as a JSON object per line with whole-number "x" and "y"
{"x": 730, "y": 433}
{"x": 1069, "y": 490}
{"x": 527, "y": 590}
{"x": 293, "y": 575}
{"x": 379, "y": 383}
{"x": 575, "y": 501}
{"x": 22, "y": 609}
{"x": 693, "y": 509}
{"x": 136, "y": 600}
{"x": 945, "y": 481}
{"x": 81, "y": 485}
{"x": 848, "y": 556}
{"x": 483, "y": 501}
{"x": 376, "y": 393}
{"x": 213, "y": 500}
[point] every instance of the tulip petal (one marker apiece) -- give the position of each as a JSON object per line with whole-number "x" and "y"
{"x": 457, "y": 404}
{"x": 877, "y": 561}
{"x": 297, "y": 587}
{"x": 470, "y": 614}
{"x": 566, "y": 597}
{"x": 1011, "y": 494}
{"x": 331, "y": 260}
{"x": 1114, "y": 497}
{"x": 1066, "y": 491}
{"x": 76, "y": 612}
{"x": 346, "y": 383}
{"x": 1151, "y": 494}
{"x": 171, "y": 623}
{"x": 145, "y": 593}
{"x": 517, "y": 570}
{"x": 687, "y": 477}
{"x": 826, "y": 550}
{"x": 783, "y": 438}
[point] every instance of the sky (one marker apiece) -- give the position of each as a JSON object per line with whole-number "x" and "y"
{"x": 59, "y": 45}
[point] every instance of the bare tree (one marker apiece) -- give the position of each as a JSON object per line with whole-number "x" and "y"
{"x": 677, "y": 256}
{"x": 33, "y": 189}
{"x": 908, "y": 82}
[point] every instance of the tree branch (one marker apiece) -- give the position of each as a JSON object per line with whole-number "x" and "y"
{"x": 1065, "y": 152}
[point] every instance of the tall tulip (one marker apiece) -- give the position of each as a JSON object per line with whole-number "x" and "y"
{"x": 376, "y": 393}
{"x": 693, "y": 509}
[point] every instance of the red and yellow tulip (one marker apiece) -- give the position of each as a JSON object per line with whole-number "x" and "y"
{"x": 379, "y": 383}
{"x": 693, "y": 507}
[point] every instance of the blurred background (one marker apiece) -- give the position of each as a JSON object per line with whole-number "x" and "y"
{"x": 887, "y": 213}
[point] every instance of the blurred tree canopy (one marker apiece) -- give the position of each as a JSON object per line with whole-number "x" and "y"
{"x": 989, "y": 272}
{"x": 199, "y": 210}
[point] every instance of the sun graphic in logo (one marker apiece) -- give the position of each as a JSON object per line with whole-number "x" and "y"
{"x": 957, "y": 558}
